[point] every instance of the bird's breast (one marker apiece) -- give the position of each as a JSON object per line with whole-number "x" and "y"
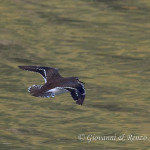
{"x": 58, "y": 90}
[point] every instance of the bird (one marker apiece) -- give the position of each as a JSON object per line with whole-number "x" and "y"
{"x": 56, "y": 84}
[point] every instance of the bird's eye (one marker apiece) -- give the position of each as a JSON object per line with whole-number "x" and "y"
{"x": 77, "y": 79}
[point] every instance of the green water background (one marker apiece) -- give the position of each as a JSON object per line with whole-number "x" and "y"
{"x": 106, "y": 43}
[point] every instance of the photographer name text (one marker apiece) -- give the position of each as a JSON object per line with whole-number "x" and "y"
{"x": 123, "y": 137}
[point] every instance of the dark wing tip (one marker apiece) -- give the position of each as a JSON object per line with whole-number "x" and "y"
{"x": 81, "y": 94}
{"x": 80, "y": 100}
{"x": 24, "y": 67}
{"x": 21, "y": 67}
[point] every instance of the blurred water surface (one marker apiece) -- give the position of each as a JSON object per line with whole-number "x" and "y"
{"x": 105, "y": 43}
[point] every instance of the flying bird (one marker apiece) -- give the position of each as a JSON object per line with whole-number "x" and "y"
{"x": 56, "y": 84}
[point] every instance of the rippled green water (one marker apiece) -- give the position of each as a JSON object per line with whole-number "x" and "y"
{"x": 105, "y": 43}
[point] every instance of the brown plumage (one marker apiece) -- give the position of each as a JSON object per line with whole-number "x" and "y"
{"x": 56, "y": 84}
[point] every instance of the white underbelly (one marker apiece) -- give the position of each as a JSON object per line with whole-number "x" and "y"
{"x": 58, "y": 90}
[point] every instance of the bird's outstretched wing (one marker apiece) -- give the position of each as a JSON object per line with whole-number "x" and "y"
{"x": 47, "y": 73}
{"x": 77, "y": 92}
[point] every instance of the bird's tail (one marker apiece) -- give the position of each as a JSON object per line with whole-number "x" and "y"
{"x": 34, "y": 89}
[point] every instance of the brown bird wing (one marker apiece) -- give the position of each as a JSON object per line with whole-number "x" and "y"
{"x": 47, "y": 73}
{"x": 77, "y": 92}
